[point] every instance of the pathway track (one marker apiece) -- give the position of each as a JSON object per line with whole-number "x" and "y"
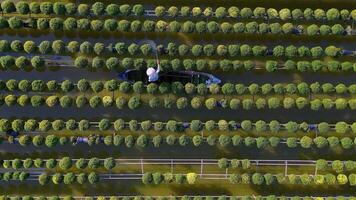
{"x": 185, "y": 114}
{"x": 75, "y": 74}
{"x": 10, "y": 151}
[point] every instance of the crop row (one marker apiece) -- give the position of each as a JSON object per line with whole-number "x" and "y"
{"x": 257, "y": 13}
{"x": 69, "y": 178}
{"x": 201, "y": 27}
{"x": 259, "y": 126}
{"x": 210, "y": 64}
{"x": 143, "y": 141}
{"x": 176, "y": 88}
{"x": 22, "y": 62}
{"x": 115, "y": 10}
{"x": 66, "y": 163}
{"x": 168, "y": 102}
{"x": 255, "y": 179}
{"x": 60, "y": 47}
{"x": 60, "y": 8}
{"x": 336, "y": 165}
{"x": 185, "y": 197}
{"x": 320, "y": 165}
{"x": 113, "y": 63}
{"x": 57, "y": 178}
{"x": 14, "y": 176}
{"x": 191, "y": 178}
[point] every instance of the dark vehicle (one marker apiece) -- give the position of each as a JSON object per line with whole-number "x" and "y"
{"x": 134, "y": 75}
{"x": 12, "y": 133}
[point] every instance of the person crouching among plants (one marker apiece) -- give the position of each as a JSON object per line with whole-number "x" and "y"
{"x": 152, "y": 73}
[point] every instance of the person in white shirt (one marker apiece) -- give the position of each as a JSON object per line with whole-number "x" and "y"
{"x": 152, "y": 73}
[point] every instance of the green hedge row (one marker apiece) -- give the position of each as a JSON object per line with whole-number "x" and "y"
{"x": 68, "y": 178}
{"x": 212, "y": 65}
{"x": 259, "y": 126}
{"x": 255, "y": 179}
{"x": 169, "y": 102}
{"x": 336, "y": 165}
{"x": 113, "y": 63}
{"x": 115, "y": 10}
{"x": 176, "y": 88}
{"x": 57, "y": 178}
{"x": 201, "y": 27}
{"x": 304, "y": 179}
{"x": 22, "y": 62}
{"x": 321, "y": 165}
{"x": 143, "y": 141}
{"x": 66, "y": 163}
{"x": 191, "y": 178}
{"x": 257, "y": 13}
{"x": 14, "y": 176}
{"x": 60, "y": 8}
{"x": 156, "y": 178}
{"x": 172, "y": 49}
